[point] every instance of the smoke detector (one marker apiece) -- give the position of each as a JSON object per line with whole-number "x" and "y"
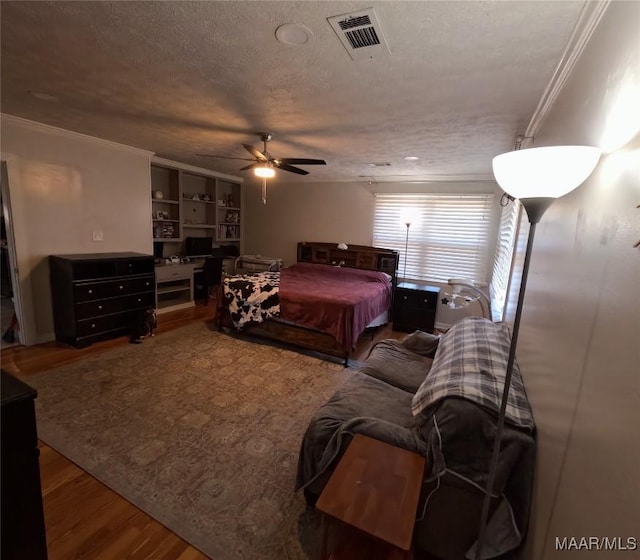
{"x": 361, "y": 34}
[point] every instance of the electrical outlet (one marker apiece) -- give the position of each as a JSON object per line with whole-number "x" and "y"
{"x": 98, "y": 235}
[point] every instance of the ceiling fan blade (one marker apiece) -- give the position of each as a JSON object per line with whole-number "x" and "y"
{"x": 286, "y": 167}
{"x": 250, "y": 166}
{"x": 255, "y": 152}
{"x": 303, "y": 161}
{"x": 224, "y": 157}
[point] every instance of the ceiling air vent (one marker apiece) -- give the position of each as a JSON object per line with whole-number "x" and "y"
{"x": 361, "y": 34}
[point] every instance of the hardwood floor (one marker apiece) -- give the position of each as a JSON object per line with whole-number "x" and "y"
{"x": 84, "y": 518}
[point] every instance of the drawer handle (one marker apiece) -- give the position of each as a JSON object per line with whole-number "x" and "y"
{"x": 90, "y": 291}
{"x": 147, "y": 283}
{"x": 425, "y": 300}
{"x": 404, "y": 297}
{"x": 121, "y": 287}
{"x": 93, "y": 325}
{"x": 139, "y": 299}
{"x": 99, "y": 306}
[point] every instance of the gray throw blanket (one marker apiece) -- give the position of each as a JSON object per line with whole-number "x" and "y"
{"x": 459, "y": 437}
{"x": 361, "y": 405}
{"x": 454, "y": 432}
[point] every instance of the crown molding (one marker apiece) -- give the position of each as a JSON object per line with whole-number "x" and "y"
{"x": 194, "y": 169}
{"x": 418, "y": 179}
{"x": 588, "y": 20}
{"x": 48, "y": 129}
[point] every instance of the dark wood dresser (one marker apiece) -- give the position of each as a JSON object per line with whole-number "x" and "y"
{"x": 23, "y": 532}
{"x": 414, "y": 307}
{"x": 98, "y": 296}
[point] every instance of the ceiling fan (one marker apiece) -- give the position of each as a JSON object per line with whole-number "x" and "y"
{"x": 264, "y": 164}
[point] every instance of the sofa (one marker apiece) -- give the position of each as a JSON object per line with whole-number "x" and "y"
{"x": 438, "y": 396}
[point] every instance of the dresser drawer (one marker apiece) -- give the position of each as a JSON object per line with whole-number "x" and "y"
{"x": 174, "y": 272}
{"x": 134, "y": 267}
{"x": 137, "y": 301}
{"x": 88, "y": 327}
{"x": 98, "y": 290}
{"x": 101, "y": 307}
{"x": 95, "y": 270}
{"x": 88, "y": 291}
{"x": 416, "y": 298}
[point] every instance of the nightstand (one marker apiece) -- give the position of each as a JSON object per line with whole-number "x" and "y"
{"x": 414, "y": 307}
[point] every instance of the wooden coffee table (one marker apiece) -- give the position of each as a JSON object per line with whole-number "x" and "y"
{"x": 374, "y": 491}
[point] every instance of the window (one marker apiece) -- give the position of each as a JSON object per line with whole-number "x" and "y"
{"x": 448, "y": 237}
{"x": 504, "y": 258}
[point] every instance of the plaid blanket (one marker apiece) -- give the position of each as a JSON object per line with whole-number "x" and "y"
{"x": 471, "y": 363}
{"x": 252, "y": 297}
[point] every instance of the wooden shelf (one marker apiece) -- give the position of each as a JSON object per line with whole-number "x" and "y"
{"x": 199, "y": 226}
{"x": 163, "y": 201}
{"x": 198, "y": 200}
{"x": 172, "y": 289}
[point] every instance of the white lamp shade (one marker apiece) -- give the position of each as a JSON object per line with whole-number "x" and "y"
{"x": 548, "y": 172}
{"x": 264, "y": 171}
{"x": 409, "y": 216}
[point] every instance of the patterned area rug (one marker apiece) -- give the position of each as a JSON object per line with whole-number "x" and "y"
{"x": 199, "y": 429}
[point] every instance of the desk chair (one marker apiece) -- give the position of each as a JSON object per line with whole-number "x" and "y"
{"x": 212, "y": 276}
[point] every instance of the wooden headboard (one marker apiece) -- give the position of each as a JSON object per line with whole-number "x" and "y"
{"x": 356, "y": 256}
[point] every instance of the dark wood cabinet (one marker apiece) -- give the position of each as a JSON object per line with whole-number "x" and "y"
{"x": 23, "y": 530}
{"x": 414, "y": 307}
{"x": 98, "y": 296}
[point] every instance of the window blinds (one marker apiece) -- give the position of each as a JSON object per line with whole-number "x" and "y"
{"x": 503, "y": 258}
{"x": 448, "y": 236}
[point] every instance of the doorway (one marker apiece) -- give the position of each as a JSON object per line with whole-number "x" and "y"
{"x": 10, "y": 312}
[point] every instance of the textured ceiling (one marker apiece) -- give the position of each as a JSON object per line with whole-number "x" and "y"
{"x": 182, "y": 78}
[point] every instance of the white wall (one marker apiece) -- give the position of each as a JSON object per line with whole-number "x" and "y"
{"x": 63, "y": 186}
{"x": 333, "y": 212}
{"x": 579, "y": 347}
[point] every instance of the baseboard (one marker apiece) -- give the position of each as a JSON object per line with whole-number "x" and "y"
{"x": 46, "y": 337}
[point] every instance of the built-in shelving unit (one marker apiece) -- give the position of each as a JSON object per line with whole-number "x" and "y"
{"x": 189, "y": 202}
{"x": 165, "y": 205}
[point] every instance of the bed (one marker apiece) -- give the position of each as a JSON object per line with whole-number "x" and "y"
{"x": 325, "y": 301}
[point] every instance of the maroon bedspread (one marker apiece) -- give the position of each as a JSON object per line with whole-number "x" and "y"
{"x": 340, "y": 301}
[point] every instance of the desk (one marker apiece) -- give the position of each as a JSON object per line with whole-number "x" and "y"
{"x": 374, "y": 489}
{"x": 175, "y": 283}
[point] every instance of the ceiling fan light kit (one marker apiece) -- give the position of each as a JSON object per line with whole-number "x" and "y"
{"x": 265, "y": 171}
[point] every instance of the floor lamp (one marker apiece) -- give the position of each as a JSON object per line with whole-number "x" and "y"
{"x": 406, "y": 248}
{"x": 536, "y": 176}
